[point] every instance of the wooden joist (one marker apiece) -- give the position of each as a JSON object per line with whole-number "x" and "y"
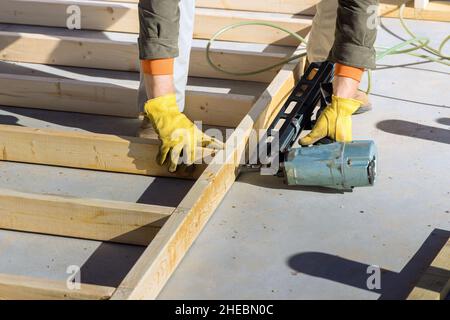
{"x": 14, "y": 287}
{"x": 94, "y": 219}
{"x": 61, "y": 94}
{"x": 303, "y": 7}
{"x": 434, "y": 284}
{"x": 123, "y": 17}
{"x": 85, "y": 150}
{"x": 434, "y": 11}
{"x": 209, "y": 21}
{"x": 106, "y": 16}
{"x": 67, "y": 95}
{"x": 120, "y": 52}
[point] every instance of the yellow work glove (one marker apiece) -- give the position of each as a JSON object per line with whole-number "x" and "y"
{"x": 177, "y": 133}
{"x": 335, "y": 122}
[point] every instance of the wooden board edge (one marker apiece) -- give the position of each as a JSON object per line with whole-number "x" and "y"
{"x": 123, "y": 17}
{"x": 69, "y": 95}
{"x": 99, "y": 53}
{"x": 14, "y": 287}
{"x": 94, "y": 219}
{"x": 94, "y": 151}
{"x": 432, "y": 12}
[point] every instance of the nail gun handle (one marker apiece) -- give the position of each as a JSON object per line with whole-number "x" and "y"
{"x": 313, "y": 88}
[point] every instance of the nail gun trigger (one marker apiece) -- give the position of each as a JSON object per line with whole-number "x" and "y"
{"x": 326, "y": 90}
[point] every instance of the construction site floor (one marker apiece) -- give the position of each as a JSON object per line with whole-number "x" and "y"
{"x": 267, "y": 240}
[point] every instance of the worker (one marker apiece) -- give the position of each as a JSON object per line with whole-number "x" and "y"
{"x": 340, "y": 33}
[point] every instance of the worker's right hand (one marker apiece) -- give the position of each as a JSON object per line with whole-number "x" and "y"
{"x": 335, "y": 122}
{"x": 177, "y": 133}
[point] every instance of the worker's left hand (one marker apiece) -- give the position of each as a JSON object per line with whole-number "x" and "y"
{"x": 177, "y": 133}
{"x": 335, "y": 122}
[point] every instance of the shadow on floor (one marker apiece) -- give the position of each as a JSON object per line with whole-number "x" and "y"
{"x": 9, "y": 120}
{"x": 411, "y": 101}
{"x": 275, "y": 182}
{"x": 163, "y": 192}
{"x": 415, "y": 130}
{"x": 109, "y": 264}
{"x": 394, "y": 285}
{"x": 444, "y": 121}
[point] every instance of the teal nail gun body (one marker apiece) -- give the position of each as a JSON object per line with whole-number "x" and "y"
{"x": 328, "y": 164}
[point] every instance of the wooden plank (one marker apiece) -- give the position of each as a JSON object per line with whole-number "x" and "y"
{"x": 123, "y": 17}
{"x": 225, "y": 110}
{"x": 13, "y": 287}
{"x": 69, "y": 50}
{"x": 435, "y": 10}
{"x": 303, "y": 7}
{"x": 217, "y": 109}
{"x": 234, "y": 61}
{"x": 86, "y": 150}
{"x": 164, "y": 253}
{"x": 100, "y": 53}
{"x": 94, "y": 219}
{"x": 209, "y": 21}
{"x": 434, "y": 284}
{"x": 67, "y": 95}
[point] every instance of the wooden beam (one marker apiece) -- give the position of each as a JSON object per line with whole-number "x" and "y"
{"x": 107, "y": 16}
{"x": 434, "y": 11}
{"x": 100, "y": 53}
{"x": 68, "y": 50}
{"x": 434, "y": 284}
{"x": 61, "y": 94}
{"x": 209, "y": 21}
{"x": 235, "y": 61}
{"x": 155, "y": 266}
{"x": 303, "y": 7}
{"x": 94, "y": 219}
{"x": 123, "y": 17}
{"x": 85, "y": 150}
{"x": 225, "y": 110}
{"x": 13, "y": 287}
{"x": 423, "y": 10}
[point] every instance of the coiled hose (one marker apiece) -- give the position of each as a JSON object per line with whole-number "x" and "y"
{"x": 408, "y": 47}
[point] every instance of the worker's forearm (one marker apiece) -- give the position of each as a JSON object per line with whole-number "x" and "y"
{"x": 355, "y": 36}
{"x": 159, "y": 28}
{"x": 346, "y": 80}
{"x": 158, "y": 85}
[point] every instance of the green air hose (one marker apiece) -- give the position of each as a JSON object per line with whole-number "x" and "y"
{"x": 413, "y": 44}
{"x": 252, "y": 23}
